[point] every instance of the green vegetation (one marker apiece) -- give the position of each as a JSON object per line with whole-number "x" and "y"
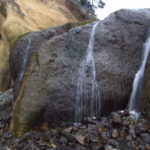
{"x": 85, "y": 22}
{"x": 90, "y": 5}
{"x": 17, "y": 38}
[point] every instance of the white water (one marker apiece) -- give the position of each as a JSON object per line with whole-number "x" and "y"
{"x": 25, "y": 59}
{"x": 88, "y": 95}
{"x": 138, "y": 77}
{"x": 133, "y": 114}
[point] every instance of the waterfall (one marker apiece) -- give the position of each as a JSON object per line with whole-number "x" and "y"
{"x": 138, "y": 77}
{"x": 87, "y": 94}
{"x": 25, "y": 59}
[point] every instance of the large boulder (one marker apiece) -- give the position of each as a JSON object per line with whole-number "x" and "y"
{"x": 22, "y": 16}
{"x": 45, "y": 68}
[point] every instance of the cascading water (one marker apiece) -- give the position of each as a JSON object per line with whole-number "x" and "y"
{"x": 24, "y": 60}
{"x": 138, "y": 77}
{"x": 88, "y": 95}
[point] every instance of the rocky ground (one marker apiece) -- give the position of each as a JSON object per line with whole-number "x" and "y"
{"x": 119, "y": 131}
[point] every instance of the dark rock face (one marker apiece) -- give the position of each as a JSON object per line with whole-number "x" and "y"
{"x": 47, "y": 88}
{"x": 145, "y": 104}
{"x": 6, "y": 101}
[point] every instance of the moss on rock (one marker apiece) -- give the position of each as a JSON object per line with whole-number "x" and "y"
{"x": 17, "y": 38}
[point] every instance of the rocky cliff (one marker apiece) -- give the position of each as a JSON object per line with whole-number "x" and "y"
{"x": 45, "y": 68}
{"x": 18, "y": 17}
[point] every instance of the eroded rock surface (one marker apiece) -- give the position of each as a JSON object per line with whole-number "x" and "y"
{"x": 45, "y": 88}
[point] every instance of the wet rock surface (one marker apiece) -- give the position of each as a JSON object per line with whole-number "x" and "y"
{"x": 47, "y": 89}
{"x": 92, "y": 134}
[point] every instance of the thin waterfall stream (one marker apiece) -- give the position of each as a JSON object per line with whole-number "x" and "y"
{"x": 25, "y": 60}
{"x": 138, "y": 77}
{"x": 87, "y": 94}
